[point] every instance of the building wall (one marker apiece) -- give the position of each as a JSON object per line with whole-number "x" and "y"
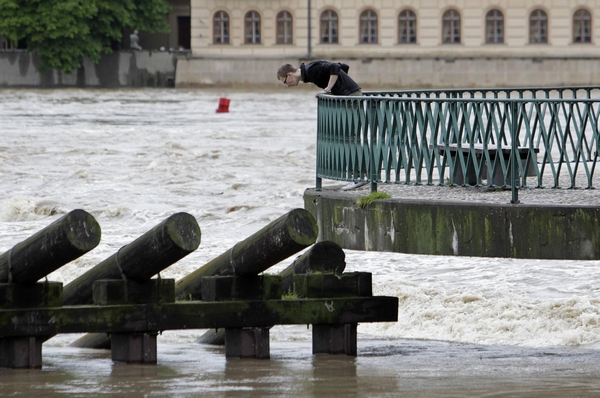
{"x": 427, "y": 63}
{"x": 429, "y": 28}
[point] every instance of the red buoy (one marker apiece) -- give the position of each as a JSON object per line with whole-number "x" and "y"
{"x": 223, "y": 105}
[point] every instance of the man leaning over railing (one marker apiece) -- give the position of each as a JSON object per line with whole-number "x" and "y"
{"x": 332, "y": 77}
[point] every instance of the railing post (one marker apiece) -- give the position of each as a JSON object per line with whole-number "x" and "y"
{"x": 372, "y": 176}
{"x": 514, "y": 153}
{"x": 319, "y": 181}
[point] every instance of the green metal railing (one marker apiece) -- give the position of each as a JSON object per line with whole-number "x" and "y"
{"x": 505, "y": 138}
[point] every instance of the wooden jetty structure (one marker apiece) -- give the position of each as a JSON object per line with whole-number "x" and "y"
{"x": 121, "y": 297}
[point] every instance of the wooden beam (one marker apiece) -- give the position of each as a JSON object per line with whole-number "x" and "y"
{"x": 277, "y": 241}
{"x": 195, "y": 315}
{"x": 163, "y": 245}
{"x": 59, "y": 243}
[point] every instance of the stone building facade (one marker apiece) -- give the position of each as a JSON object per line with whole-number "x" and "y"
{"x": 398, "y": 43}
{"x": 388, "y": 28}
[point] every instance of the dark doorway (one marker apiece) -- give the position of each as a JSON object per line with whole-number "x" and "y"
{"x": 184, "y": 32}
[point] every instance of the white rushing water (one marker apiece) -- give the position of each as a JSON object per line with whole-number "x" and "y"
{"x": 131, "y": 158}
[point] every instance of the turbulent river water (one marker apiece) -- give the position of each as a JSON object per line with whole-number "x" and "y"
{"x": 467, "y": 326}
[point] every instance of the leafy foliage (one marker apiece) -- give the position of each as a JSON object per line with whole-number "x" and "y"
{"x": 63, "y": 32}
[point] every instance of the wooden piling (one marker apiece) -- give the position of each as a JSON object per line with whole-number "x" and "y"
{"x": 324, "y": 256}
{"x": 134, "y": 348}
{"x": 93, "y": 340}
{"x": 21, "y": 352}
{"x": 280, "y": 239}
{"x": 163, "y": 245}
{"x": 64, "y": 240}
{"x": 335, "y": 339}
{"x": 277, "y": 241}
{"x": 247, "y": 343}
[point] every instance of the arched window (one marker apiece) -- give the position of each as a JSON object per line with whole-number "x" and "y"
{"x": 284, "y": 28}
{"x": 582, "y": 27}
{"x": 451, "y": 27}
{"x": 494, "y": 27}
{"x": 221, "y": 28}
{"x": 329, "y": 27}
{"x": 368, "y": 27}
{"x": 407, "y": 27}
{"x": 252, "y": 27}
{"x": 538, "y": 27}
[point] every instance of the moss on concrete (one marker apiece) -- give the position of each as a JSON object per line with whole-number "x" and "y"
{"x": 457, "y": 228}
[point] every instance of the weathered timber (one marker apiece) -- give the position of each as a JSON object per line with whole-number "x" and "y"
{"x": 351, "y": 284}
{"x": 227, "y": 288}
{"x": 64, "y": 240}
{"x": 141, "y": 318}
{"x": 134, "y": 348}
{"x": 118, "y": 291}
{"x": 277, "y": 241}
{"x": 335, "y": 339}
{"x": 40, "y": 294}
{"x": 324, "y": 256}
{"x": 21, "y": 352}
{"x": 247, "y": 343}
{"x": 93, "y": 340}
{"x": 280, "y": 239}
{"x": 213, "y": 337}
{"x": 163, "y": 245}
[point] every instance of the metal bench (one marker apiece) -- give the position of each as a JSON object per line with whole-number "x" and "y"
{"x": 528, "y": 157}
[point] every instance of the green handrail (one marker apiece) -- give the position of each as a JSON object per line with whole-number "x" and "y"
{"x": 504, "y": 138}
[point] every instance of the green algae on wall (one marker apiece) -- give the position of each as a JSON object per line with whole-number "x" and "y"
{"x": 457, "y": 228}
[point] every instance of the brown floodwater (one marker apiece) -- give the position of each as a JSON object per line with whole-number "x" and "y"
{"x": 383, "y": 368}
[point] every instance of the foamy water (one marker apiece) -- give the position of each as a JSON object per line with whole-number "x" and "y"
{"x": 131, "y": 158}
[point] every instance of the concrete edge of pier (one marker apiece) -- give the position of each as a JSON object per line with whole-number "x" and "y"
{"x": 438, "y": 220}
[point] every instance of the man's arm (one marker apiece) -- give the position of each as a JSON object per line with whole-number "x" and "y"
{"x": 334, "y": 71}
{"x": 332, "y": 80}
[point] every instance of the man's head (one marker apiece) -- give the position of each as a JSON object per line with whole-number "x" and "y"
{"x": 289, "y": 75}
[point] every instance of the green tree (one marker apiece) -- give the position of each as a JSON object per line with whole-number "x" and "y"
{"x": 64, "y": 32}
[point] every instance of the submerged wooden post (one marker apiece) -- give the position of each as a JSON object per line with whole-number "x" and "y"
{"x": 24, "y": 264}
{"x": 93, "y": 340}
{"x": 21, "y": 352}
{"x": 334, "y": 339}
{"x": 134, "y": 348}
{"x": 277, "y": 241}
{"x": 247, "y": 343}
{"x": 64, "y": 240}
{"x": 163, "y": 245}
{"x": 280, "y": 239}
{"x": 324, "y": 256}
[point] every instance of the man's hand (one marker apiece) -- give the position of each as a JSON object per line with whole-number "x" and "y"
{"x": 326, "y": 91}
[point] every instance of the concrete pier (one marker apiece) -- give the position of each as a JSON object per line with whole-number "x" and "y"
{"x": 461, "y": 221}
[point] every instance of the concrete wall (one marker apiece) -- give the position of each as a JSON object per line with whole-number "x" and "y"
{"x": 389, "y": 73}
{"x": 122, "y": 69}
{"x": 457, "y": 228}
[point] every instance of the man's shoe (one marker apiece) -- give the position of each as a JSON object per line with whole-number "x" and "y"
{"x": 354, "y": 185}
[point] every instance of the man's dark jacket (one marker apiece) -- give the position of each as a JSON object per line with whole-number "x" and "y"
{"x": 318, "y": 73}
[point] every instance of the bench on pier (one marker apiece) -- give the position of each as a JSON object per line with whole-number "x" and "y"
{"x": 527, "y": 160}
